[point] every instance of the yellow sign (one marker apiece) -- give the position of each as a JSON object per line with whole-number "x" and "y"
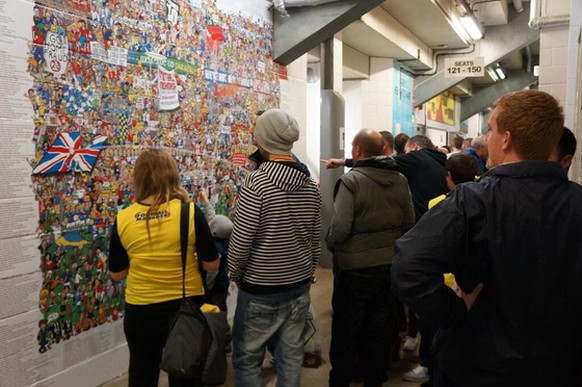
{"x": 442, "y": 109}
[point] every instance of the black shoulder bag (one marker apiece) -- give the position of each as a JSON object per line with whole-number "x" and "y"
{"x": 194, "y": 348}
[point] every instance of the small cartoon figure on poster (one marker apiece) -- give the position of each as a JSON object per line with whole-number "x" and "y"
{"x": 56, "y": 333}
{"x": 68, "y": 330}
{"x": 41, "y": 337}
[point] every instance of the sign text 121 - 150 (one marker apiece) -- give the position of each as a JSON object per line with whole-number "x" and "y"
{"x": 464, "y": 67}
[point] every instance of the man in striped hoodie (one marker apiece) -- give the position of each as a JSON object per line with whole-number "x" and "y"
{"x": 273, "y": 252}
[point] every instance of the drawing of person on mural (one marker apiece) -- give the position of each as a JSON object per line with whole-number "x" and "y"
{"x": 41, "y": 336}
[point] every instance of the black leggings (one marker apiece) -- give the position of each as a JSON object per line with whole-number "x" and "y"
{"x": 146, "y": 329}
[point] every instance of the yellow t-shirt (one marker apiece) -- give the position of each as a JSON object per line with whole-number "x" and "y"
{"x": 449, "y": 277}
{"x": 155, "y": 269}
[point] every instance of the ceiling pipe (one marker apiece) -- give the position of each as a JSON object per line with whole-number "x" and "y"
{"x": 303, "y": 3}
{"x": 518, "y": 5}
{"x": 529, "y": 59}
{"x": 466, "y": 8}
{"x": 537, "y": 21}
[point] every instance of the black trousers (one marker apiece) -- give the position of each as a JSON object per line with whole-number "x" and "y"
{"x": 364, "y": 321}
{"x": 146, "y": 329}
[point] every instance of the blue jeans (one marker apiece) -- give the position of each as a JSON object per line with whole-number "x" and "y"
{"x": 276, "y": 318}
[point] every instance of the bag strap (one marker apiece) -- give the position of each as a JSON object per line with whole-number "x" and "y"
{"x": 184, "y": 220}
{"x": 184, "y": 223}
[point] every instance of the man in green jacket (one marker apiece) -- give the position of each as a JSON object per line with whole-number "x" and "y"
{"x": 372, "y": 208}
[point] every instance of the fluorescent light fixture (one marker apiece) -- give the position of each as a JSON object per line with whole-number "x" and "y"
{"x": 460, "y": 30}
{"x": 464, "y": 8}
{"x": 472, "y": 26}
{"x": 492, "y": 74}
{"x": 536, "y": 71}
{"x": 500, "y": 72}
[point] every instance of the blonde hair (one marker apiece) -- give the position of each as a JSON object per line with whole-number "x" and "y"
{"x": 534, "y": 119}
{"x": 155, "y": 175}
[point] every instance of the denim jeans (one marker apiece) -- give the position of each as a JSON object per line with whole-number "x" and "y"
{"x": 364, "y": 319}
{"x": 275, "y": 318}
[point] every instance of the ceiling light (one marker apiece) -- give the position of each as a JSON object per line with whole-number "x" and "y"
{"x": 492, "y": 74}
{"x": 500, "y": 71}
{"x": 536, "y": 71}
{"x": 472, "y": 26}
{"x": 460, "y": 30}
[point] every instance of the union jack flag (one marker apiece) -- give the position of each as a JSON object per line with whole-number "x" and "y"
{"x": 67, "y": 154}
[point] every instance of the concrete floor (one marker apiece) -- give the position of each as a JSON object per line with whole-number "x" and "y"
{"x": 321, "y": 299}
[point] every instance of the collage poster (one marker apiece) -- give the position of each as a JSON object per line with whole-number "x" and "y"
{"x": 403, "y": 114}
{"x": 442, "y": 109}
{"x": 107, "y": 79}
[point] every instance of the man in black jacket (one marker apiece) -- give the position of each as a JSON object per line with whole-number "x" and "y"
{"x": 424, "y": 167}
{"x": 512, "y": 240}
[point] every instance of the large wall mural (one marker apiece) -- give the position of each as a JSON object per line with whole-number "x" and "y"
{"x": 108, "y": 79}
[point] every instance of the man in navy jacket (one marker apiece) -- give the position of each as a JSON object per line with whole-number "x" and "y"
{"x": 513, "y": 242}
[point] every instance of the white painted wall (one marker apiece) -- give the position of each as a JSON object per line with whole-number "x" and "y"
{"x": 554, "y": 47}
{"x": 574, "y": 85}
{"x": 356, "y": 64}
{"x": 556, "y": 7}
{"x": 553, "y": 62}
{"x": 560, "y": 65}
{"x": 574, "y": 70}
{"x": 377, "y": 95}
{"x": 338, "y": 59}
{"x": 369, "y": 102}
{"x": 312, "y": 132}
{"x": 293, "y": 97}
{"x": 437, "y": 136}
{"x": 474, "y": 124}
{"x": 352, "y": 92}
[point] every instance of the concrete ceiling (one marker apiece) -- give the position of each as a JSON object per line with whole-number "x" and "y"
{"x": 428, "y": 22}
{"x": 420, "y": 34}
{"x": 424, "y": 19}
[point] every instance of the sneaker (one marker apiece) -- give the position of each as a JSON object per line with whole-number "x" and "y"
{"x": 410, "y": 344}
{"x": 417, "y": 374}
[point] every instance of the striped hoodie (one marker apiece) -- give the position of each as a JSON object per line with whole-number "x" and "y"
{"x": 275, "y": 244}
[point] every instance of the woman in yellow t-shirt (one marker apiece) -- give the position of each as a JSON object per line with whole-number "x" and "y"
{"x": 145, "y": 249}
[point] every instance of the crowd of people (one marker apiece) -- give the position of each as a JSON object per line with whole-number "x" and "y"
{"x": 510, "y": 205}
{"x": 485, "y": 255}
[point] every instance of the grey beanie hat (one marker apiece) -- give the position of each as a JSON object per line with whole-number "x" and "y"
{"x": 220, "y": 226}
{"x": 276, "y": 131}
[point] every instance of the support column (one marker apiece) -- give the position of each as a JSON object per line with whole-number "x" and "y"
{"x": 332, "y": 124}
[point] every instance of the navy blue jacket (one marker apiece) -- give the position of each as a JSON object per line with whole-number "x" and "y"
{"x": 426, "y": 174}
{"x": 518, "y": 231}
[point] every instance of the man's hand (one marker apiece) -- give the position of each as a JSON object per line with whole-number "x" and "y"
{"x": 202, "y": 194}
{"x": 468, "y": 298}
{"x": 333, "y": 163}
